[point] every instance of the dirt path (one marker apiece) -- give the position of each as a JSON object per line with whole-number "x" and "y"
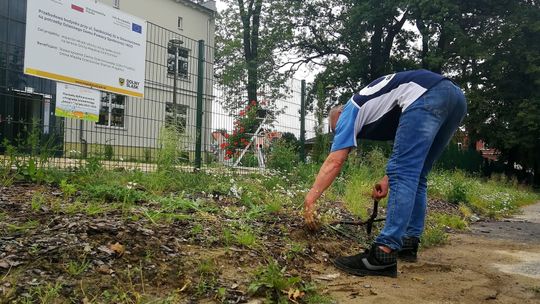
{"x": 496, "y": 262}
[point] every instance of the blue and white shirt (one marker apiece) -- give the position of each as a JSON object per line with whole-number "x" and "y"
{"x": 374, "y": 112}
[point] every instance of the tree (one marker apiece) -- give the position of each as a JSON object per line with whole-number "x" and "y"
{"x": 249, "y": 32}
{"x": 353, "y": 40}
{"x": 491, "y": 48}
{"x": 505, "y": 98}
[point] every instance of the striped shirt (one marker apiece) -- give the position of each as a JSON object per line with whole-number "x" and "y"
{"x": 374, "y": 112}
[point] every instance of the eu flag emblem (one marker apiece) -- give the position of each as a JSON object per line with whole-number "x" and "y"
{"x": 136, "y": 28}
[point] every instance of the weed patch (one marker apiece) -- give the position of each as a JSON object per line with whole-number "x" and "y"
{"x": 271, "y": 281}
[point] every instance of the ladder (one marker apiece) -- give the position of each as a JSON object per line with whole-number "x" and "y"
{"x": 259, "y": 150}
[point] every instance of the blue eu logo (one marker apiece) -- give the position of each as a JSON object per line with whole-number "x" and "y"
{"x": 136, "y": 28}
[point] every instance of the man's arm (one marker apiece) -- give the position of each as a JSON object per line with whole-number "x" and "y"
{"x": 329, "y": 171}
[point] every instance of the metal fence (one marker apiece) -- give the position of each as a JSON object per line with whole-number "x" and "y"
{"x": 180, "y": 119}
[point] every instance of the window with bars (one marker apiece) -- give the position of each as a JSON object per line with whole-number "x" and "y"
{"x": 112, "y": 112}
{"x": 178, "y": 118}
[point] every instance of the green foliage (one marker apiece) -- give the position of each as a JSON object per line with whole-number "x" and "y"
{"x": 246, "y": 124}
{"x": 206, "y": 267}
{"x": 44, "y": 294}
{"x": 247, "y": 38}
{"x": 38, "y": 200}
{"x": 32, "y": 153}
{"x": 67, "y": 188}
{"x": 433, "y": 235}
{"x": 451, "y": 221}
{"x": 147, "y": 155}
{"x": 76, "y": 268}
{"x": 92, "y": 166}
{"x": 108, "y": 153}
{"x": 207, "y": 271}
{"x": 291, "y": 139}
{"x": 23, "y": 228}
{"x": 358, "y": 180}
{"x": 271, "y": 281}
{"x": 363, "y": 40}
{"x": 493, "y": 198}
{"x": 283, "y": 156}
{"x": 454, "y": 158}
{"x": 171, "y": 148}
{"x": 246, "y": 238}
{"x": 315, "y": 298}
{"x": 112, "y": 193}
{"x": 458, "y": 193}
{"x": 249, "y": 160}
{"x": 321, "y": 148}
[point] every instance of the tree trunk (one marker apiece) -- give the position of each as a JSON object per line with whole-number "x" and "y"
{"x": 251, "y": 23}
{"x": 425, "y": 42}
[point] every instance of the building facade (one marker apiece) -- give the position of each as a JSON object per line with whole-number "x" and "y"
{"x": 128, "y": 128}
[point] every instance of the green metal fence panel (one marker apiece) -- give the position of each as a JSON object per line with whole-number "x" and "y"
{"x": 182, "y": 121}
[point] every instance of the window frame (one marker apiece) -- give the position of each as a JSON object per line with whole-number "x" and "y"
{"x": 110, "y": 107}
{"x": 182, "y": 59}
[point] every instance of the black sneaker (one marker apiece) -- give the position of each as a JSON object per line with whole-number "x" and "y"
{"x": 409, "y": 250}
{"x": 374, "y": 262}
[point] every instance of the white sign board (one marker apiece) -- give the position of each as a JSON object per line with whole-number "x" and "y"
{"x": 86, "y": 43}
{"x": 77, "y": 102}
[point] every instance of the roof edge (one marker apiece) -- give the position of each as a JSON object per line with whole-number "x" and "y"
{"x": 208, "y": 9}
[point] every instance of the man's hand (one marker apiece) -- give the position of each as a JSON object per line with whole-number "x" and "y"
{"x": 310, "y": 214}
{"x": 380, "y": 190}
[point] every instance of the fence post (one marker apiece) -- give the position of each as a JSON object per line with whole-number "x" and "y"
{"x": 200, "y": 92}
{"x": 303, "y": 122}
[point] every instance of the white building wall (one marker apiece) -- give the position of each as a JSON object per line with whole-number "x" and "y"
{"x": 145, "y": 117}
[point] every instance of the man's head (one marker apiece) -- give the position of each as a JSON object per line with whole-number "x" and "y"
{"x": 333, "y": 116}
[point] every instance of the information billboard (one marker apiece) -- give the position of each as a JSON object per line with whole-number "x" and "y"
{"x": 77, "y": 102}
{"x": 86, "y": 43}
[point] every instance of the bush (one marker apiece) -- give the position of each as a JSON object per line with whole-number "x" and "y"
{"x": 458, "y": 193}
{"x": 283, "y": 156}
{"x": 453, "y": 158}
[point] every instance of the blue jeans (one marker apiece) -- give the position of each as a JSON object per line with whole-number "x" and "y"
{"x": 425, "y": 129}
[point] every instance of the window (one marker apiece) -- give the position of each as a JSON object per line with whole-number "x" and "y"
{"x": 173, "y": 51}
{"x": 180, "y": 23}
{"x": 116, "y": 4}
{"x": 178, "y": 119}
{"x": 112, "y": 111}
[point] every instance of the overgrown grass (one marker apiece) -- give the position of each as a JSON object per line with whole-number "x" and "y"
{"x": 496, "y": 197}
